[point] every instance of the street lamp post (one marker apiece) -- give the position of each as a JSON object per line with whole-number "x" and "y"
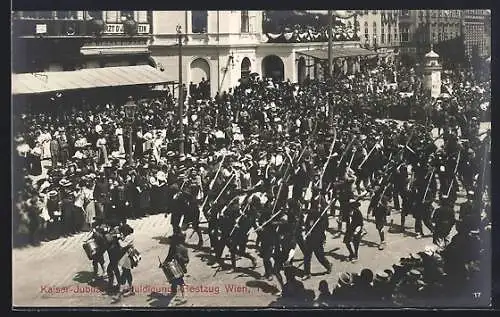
{"x": 130, "y": 109}
{"x": 181, "y": 124}
{"x": 330, "y": 61}
{"x": 330, "y": 43}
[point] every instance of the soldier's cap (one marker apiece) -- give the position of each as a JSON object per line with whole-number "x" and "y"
{"x": 382, "y": 276}
{"x": 470, "y": 193}
{"x": 64, "y": 182}
{"x": 444, "y": 197}
{"x": 345, "y": 278}
{"x": 52, "y": 193}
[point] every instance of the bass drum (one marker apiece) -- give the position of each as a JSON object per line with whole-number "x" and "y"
{"x": 90, "y": 247}
{"x": 172, "y": 270}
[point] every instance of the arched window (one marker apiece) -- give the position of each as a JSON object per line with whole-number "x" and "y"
{"x": 382, "y": 35}
{"x": 245, "y": 22}
{"x": 366, "y": 31}
{"x": 245, "y": 67}
{"x": 374, "y": 28}
{"x": 199, "y": 21}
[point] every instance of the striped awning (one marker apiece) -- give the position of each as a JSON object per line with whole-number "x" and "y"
{"x": 35, "y": 83}
{"x": 338, "y": 52}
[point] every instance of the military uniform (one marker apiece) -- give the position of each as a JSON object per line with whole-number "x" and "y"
{"x": 423, "y": 214}
{"x": 314, "y": 243}
{"x": 380, "y": 212}
{"x": 267, "y": 238}
{"x": 239, "y": 237}
{"x": 444, "y": 220}
{"x": 354, "y": 231}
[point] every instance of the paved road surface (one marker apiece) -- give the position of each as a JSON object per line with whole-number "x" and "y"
{"x": 57, "y": 272}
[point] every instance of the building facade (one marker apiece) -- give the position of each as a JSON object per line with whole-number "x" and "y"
{"x": 71, "y": 40}
{"x": 477, "y": 32}
{"x": 421, "y": 28}
{"x": 379, "y": 29}
{"x": 224, "y": 46}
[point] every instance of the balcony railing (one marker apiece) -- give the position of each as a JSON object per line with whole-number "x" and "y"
{"x": 63, "y": 28}
{"x": 195, "y": 39}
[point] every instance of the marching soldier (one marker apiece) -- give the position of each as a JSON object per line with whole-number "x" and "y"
{"x": 380, "y": 212}
{"x": 98, "y": 232}
{"x": 443, "y": 219}
{"x": 354, "y": 230}
{"x": 192, "y": 212}
{"x": 176, "y": 208}
{"x": 316, "y": 225}
{"x": 423, "y": 215}
{"x": 469, "y": 214}
{"x": 345, "y": 195}
{"x": 285, "y": 245}
{"x": 401, "y": 181}
{"x": 227, "y": 221}
{"x": 239, "y": 235}
{"x": 267, "y": 236}
{"x": 114, "y": 255}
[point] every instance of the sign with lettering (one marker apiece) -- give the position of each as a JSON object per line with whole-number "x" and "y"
{"x": 41, "y": 28}
{"x": 113, "y": 29}
{"x": 143, "y": 28}
{"x": 117, "y": 28}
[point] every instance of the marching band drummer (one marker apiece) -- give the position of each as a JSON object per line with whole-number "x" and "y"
{"x": 98, "y": 232}
{"x": 126, "y": 242}
{"x": 179, "y": 253}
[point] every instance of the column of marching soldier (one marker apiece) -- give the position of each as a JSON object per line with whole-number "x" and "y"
{"x": 285, "y": 191}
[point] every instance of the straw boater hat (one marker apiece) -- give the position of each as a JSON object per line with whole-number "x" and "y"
{"x": 382, "y": 277}
{"x": 64, "y": 182}
{"x": 52, "y": 193}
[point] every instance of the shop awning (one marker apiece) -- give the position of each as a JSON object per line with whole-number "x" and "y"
{"x": 35, "y": 83}
{"x": 115, "y": 51}
{"x": 338, "y": 52}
